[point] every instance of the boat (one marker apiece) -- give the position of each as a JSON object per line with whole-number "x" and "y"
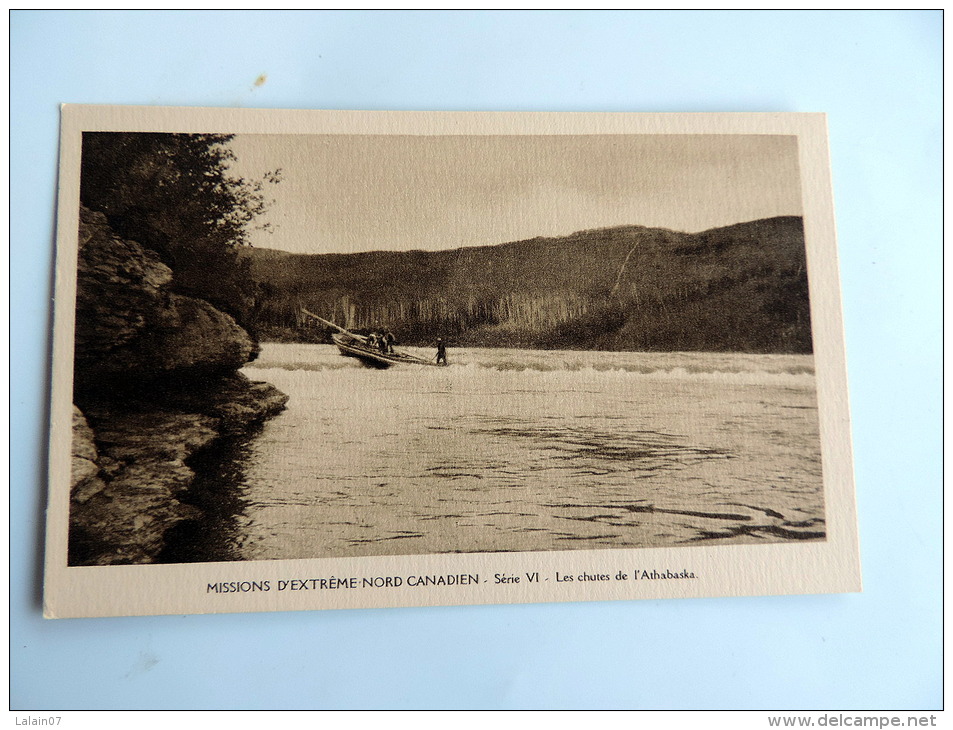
{"x": 354, "y": 345}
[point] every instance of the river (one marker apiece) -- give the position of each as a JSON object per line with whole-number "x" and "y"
{"x": 515, "y": 450}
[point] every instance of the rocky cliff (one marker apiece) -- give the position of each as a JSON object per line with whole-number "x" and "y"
{"x": 155, "y": 382}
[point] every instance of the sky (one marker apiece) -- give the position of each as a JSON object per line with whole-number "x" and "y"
{"x": 350, "y": 193}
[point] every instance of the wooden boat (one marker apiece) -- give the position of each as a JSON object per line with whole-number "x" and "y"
{"x": 353, "y": 345}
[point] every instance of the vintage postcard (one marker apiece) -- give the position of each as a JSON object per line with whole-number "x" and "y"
{"x": 323, "y": 359}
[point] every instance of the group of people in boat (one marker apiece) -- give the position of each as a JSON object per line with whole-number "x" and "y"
{"x": 384, "y": 341}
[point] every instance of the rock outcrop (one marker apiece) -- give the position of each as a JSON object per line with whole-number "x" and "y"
{"x": 129, "y": 326}
{"x": 156, "y": 381}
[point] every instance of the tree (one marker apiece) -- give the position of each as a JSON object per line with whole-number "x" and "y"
{"x": 175, "y": 194}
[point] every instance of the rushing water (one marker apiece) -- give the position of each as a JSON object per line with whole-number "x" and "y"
{"x": 514, "y": 450}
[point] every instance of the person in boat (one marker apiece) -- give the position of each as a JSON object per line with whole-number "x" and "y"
{"x": 441, "y": 351}
{"x": 389, "y": 341}
{"x": 372, "y": 341}
{"x": 382, "y": 343}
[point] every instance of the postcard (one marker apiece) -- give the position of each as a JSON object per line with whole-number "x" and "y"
{"x": 330, "y": 359}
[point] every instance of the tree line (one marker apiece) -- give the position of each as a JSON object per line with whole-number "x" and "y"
{"x": 176, "y": 194}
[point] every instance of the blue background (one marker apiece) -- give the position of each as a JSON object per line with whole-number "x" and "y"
{"x": 876, "y": 73}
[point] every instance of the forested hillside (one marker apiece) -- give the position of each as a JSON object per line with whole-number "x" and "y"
{"x": 739, "y": 288}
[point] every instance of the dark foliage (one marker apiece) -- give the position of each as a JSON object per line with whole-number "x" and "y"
{"x": 173, "y": 193}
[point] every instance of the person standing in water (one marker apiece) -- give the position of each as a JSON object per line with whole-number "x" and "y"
{"x": 441, "y": 352}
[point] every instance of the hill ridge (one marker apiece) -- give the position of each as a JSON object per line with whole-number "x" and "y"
{"x": 741, "y": 287}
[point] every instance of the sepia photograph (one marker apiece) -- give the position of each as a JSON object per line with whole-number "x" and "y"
{"x": 340, "y": 345}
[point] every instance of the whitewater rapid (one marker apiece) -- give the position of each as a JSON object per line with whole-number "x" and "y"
{"x": 715, "y": 366}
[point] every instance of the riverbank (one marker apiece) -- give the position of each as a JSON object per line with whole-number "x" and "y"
{"x": 156, "y": 383}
